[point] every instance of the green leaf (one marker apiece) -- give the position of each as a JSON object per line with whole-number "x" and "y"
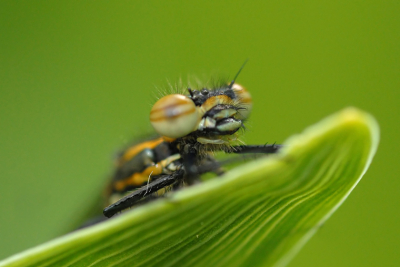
{"x": 258, "y": 214}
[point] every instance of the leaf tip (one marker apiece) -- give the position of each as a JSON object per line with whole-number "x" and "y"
{"x": 352, "y": 116}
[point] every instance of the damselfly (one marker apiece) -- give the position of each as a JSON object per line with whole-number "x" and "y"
{"x": 191, "y": 127}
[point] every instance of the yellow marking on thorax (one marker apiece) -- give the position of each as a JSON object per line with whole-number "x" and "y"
{"x": 133, "y": 151}
{"x": 168, "y": 139}
{"x": 139, "y": 178}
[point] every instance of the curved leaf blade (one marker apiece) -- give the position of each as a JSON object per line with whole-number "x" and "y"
{"x": 259, "y": 214}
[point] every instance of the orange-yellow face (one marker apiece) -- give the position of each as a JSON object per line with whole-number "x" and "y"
{"x": 207, "y": 114}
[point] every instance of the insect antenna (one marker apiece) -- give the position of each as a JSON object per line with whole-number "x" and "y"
{"x": 237, "y": 74}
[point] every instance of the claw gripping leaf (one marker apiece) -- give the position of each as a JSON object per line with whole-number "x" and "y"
{"x": 259, "y": 214}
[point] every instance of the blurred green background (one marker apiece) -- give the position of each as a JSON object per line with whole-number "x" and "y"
{"x": 77, "y": 81}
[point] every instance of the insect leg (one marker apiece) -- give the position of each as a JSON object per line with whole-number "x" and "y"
{"x": 191, "y": 164}
{"x": 264, "y": 149}
{"x": 131, "y": 199}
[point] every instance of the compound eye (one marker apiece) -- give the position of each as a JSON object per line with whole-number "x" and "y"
{"x": 245, "y": 101}
{"x": 174, "y": 116}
